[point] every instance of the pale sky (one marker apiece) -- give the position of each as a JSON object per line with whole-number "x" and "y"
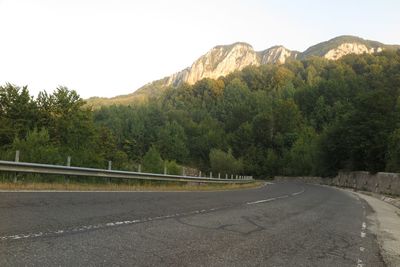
{"x": 113, "y": 47}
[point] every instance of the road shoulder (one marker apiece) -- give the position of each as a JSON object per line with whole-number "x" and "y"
{"x": 387, "y": 230}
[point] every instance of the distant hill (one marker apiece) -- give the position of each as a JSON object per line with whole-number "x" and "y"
{"x": 224, "y": 59}
{"x": 344, "y": 45}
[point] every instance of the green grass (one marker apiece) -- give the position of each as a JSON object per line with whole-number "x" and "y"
{"x": 53, "y": 182}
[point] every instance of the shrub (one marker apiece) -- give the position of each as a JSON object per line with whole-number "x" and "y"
{"x": 152, "y": 161}
{"x": 224, "y": 162}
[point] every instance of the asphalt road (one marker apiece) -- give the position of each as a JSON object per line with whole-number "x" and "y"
{"x": 283, "y": 224}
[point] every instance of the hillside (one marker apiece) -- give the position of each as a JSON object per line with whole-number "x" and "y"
{"x": 300, "y": 118}
{"x": 225, "y": 59}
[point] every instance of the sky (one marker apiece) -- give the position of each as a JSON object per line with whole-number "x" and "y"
{"x": 112, "y": 47}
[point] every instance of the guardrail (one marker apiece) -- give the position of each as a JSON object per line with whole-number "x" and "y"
{"x": 24, "y": 167}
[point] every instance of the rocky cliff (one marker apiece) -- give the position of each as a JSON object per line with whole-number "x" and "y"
{"x": 219, "y": 61}
{"x": 224, "y": 59}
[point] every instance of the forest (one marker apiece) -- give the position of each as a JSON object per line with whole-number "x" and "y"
{"x": 310, "y": 117}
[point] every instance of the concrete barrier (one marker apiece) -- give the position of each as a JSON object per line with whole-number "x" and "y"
{"x": 379, "y": 183}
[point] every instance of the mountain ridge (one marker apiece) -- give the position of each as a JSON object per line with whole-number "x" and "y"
{"x": 222, "y": 60}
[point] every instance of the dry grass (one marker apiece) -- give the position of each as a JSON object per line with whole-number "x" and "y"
{"x": 28, "y": 186}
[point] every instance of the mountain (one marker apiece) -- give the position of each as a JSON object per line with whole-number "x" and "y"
{"x": 344, "y": 45}
{"x": 224, "y": 59}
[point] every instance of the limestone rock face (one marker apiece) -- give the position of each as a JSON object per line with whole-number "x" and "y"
{"x": 219, "y": 61}
{"x": 350, "y": 48}
{"x": 225, "y": 59}
{"x": 277, "y": 55}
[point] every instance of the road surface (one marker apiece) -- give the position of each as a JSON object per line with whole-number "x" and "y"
{"x": 283, "y": 224}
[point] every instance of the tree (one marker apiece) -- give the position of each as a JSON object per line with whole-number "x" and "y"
{"x": 18, "y": 112}
{"x": 224, "y": 163}
{"x": 302, "y": 154}
{"x": 36, "y": 147}
{"x": 152, "y": 161}
{"x": 393, "y": 155}
{"x": 171, "y": 142}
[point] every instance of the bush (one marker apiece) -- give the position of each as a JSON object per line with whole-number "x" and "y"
{"x": 224, "y": 163}
{"x": 36, "y": 147}
{"x": 173, "y": 168}
{"x": 152, "y": 161}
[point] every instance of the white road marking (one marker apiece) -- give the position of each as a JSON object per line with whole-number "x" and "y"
{"x": 103, "y": 225}
{"x": 364, "y": 225}
{"x": 298, "y": 193}
{"x": 261, "y": 201}
{"x": 363, "y": 234}
{"x": 275, "y": 198}
{"x": 359, "y": 263}
{"x": 284, "y": 196}
{"x": 362, "y": 249}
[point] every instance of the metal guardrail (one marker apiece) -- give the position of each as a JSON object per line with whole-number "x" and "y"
{"x": 12, "y": 166}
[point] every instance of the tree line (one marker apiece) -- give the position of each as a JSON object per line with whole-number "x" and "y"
{"x": 311, "y": 117}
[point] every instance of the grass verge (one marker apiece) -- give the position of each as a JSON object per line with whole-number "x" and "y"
{"x": 144, "y": 186}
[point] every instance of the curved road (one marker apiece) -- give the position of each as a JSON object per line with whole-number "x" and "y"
{"x": 283, "y": 224}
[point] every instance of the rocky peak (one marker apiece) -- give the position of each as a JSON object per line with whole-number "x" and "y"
{"x": 343, "y": 45}
{"x": 277, "y": 55}
{"x": 224, "y": 59}
{"x": 350, "y": 48}
{"x": 219, "y": 61}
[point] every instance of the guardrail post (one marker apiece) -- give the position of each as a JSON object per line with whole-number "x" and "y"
{"x": 183, "y": 171}
{"x": 109, "y": 168}
{"x": 165, "y": 167}
{"x": 210, "y": 174}
{"x": 199, "y": 173}
{"x": 231, "y": 176}
{"x": 140, "y": 168}
{"x": 219, "y": 175}
{"x": 69, "y": 161}
{"x": 16, "y": 160}
{"x": 17, "y": 156}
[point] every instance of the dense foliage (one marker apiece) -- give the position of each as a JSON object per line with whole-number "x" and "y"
{"x": 311, "y": 117}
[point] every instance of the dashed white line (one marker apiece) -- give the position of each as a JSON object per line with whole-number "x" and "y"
{"x": 101, "y": 225}
{"x": 284, "y": 196}
{"x": 261, "y": 201}
{"x": 363, "y": 234}
{"x": 275, "y": 198}
{"x": 298, "y": 193}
